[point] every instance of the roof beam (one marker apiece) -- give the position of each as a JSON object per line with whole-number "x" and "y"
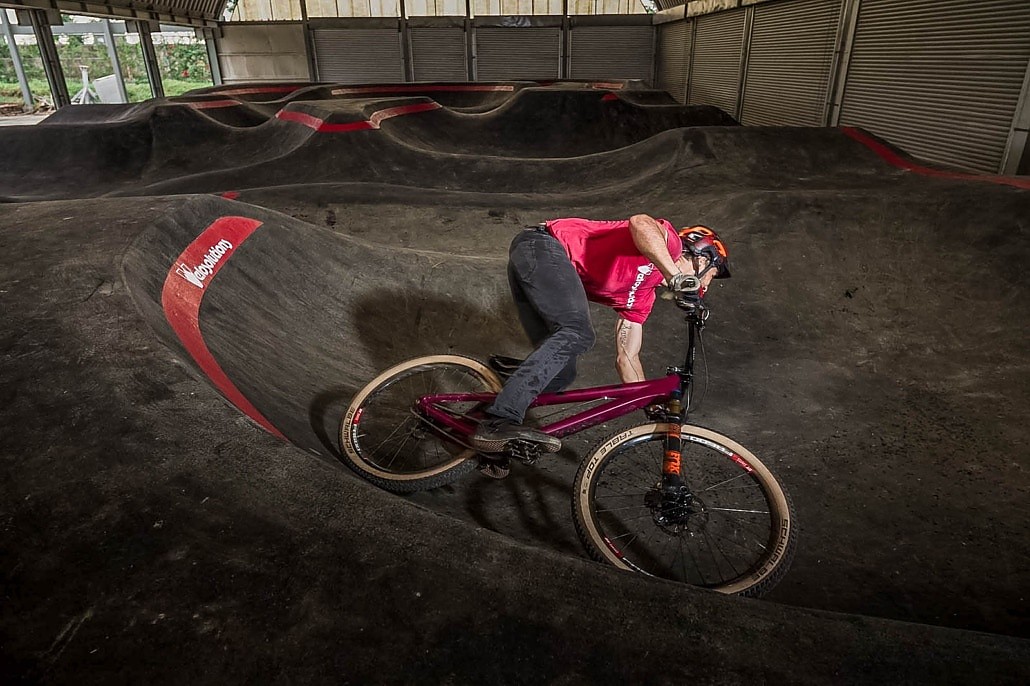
{"x": 179, "y": 12}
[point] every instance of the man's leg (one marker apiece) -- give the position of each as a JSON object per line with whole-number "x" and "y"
{"x": 554, "y": 312}
{"x": 537, "y": 330}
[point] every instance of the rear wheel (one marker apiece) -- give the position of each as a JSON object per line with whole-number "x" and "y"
{"x": 731, "y": 530}
{"x": 385, "y": 439}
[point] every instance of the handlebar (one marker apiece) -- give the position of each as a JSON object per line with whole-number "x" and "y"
{"x": 696, "y": 311}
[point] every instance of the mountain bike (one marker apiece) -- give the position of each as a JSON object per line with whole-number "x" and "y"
{"x": 666, "y": 498}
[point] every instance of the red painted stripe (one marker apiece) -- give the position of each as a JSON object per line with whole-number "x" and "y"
{"x": 181, "y": 299}
{"x": 894, "y": 159}
{"x": 608, "y": 85}
{"x": 231, "y": 195}
{"x": 211, "y": 104}
{"x": 378, "y": 117}
{"x": 421, "y": 89}
{"x": 608, "y": 97}
{"x": 317, "y": 124}
{"x": 299, "y": 118}
{"x": 348, "y": 126}
{"x": 372, "y": 122}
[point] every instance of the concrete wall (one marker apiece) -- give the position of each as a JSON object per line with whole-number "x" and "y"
{"x": 262, "y": 52}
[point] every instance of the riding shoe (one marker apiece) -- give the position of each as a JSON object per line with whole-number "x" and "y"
{"x": 492, "y": 434}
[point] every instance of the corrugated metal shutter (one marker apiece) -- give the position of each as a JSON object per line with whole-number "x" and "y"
{"x": 674, "y": 58}
{"x": 439, "y": 54}
{"x": 789, "y": 62}
{"x": 510, "y": 54}
{"x": 612, "y": 52}
{"x": 715, "y": 69}
{"x": 358, "y": 55}
{"x": 939, "y": 78}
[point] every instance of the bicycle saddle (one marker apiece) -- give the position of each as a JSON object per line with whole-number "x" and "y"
{"x": 504, "y": 366}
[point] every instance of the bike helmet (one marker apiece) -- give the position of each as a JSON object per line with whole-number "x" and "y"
{"x": 702, "y": 241}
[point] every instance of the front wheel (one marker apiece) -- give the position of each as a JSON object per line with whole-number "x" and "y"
{"x": 731, "y": 530}
{"x": 387, "y": 441}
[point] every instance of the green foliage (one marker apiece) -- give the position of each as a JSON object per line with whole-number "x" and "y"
{"x": 183, "y": 66}
{"x": 137, "y": 91}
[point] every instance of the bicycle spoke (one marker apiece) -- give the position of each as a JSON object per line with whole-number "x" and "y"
{"x": 396, "y": 452}
{"x": 628, "y": 533}
{"x": 630, "y": 519}
{"x": 392, "y": 434}
{"x": 731, "y": 509}
{"x": 395, "y": 437}
{"x": 712, "y": 538}
{"x": 693, "y": 558}
{"x": 715, "y": 544}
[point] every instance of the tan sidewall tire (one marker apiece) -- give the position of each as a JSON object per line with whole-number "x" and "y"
{"x": 350, "y": 452}
{"x": 782, "y": 547}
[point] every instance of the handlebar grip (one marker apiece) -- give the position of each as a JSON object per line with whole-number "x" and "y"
{"x": 685, "y": 283}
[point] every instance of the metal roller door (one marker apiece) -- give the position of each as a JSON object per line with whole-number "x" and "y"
{"x": 439, "y": 54}
{"x": 358, "y": 55}
{"x": 674, "y": 58}
{"x": 939, "y": 78}
{"x": 715, "y": 68}
{"x": 789, "y": 63}
{"x": 511, "y": 54}
{"x": 612, "y": 52}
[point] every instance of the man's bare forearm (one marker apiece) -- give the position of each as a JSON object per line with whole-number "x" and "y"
{"x": 651, "y": 239}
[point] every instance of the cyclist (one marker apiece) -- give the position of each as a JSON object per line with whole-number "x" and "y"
{"x": 554, "y": 268}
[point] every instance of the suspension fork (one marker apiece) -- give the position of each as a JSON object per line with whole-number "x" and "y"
{"x": 671, "y": 478}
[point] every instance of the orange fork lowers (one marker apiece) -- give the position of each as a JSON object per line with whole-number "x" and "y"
{"x": 671, "y": 463}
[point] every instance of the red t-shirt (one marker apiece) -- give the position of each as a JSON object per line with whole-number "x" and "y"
{"x": 613, "y": 271}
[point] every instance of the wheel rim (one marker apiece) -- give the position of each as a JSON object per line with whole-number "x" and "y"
{"x": 393, "y": 439}
{"x": 725, "y": 534}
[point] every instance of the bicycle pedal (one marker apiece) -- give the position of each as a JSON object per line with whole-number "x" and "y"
{"x": 526, "y": 452}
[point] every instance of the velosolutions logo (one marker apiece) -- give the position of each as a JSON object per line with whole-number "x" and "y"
{"x": 643, "y": 271}
{"x": 197, "y": 275}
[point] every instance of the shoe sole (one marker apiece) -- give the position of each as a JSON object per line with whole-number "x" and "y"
{"x": 486, "y": 445}
{"x": 494, "y": 470}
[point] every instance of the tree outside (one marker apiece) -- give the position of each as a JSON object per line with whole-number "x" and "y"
{"x": 182, "y": 60}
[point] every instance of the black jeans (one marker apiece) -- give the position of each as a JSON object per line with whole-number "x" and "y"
{"x": 553, "y": 309}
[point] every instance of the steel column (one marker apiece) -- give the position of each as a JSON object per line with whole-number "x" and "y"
{"x": 405, "y": 38}
{"x": 146, "y": 42}
{"x": 849, "y": 17}
{"x": 1017, "y": 143}
{"x": 565, "y": 48}
{"x": 836, "y": 60}
{"x": 745, "y": 53}
{"x": 51, "y": 62}
{"x": 212, "y": 56}
{"x": 692, "y": 30}
{"x": 470, "y": 74}
{"x": 112, "y": 53}
{"x": 309, "y": 43}
{"x": 565, "y": 43}
{"x": 19, "y": 70}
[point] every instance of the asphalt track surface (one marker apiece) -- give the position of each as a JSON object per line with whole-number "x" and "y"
{"x": 174, "y": 506}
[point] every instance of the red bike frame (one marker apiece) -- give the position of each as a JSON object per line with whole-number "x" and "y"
{"x": 622, "y": 399}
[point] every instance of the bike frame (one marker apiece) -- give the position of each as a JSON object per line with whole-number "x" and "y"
{"x": 621, "y": 398}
